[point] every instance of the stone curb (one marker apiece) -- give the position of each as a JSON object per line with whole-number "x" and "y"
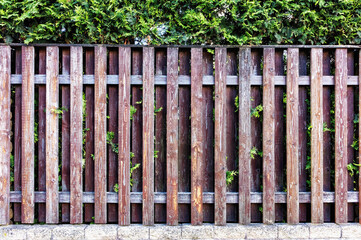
{"x": 183, "y": 231}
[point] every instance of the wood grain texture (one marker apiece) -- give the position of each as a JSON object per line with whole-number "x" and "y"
{"x": 65, "y": 135}
{"x": 220, "y": 137}
{"x": 341, "y": 136}
{"x": 148, "y": 136}
{"x": 244, "y": 136}
{"x": 76, "y": 138}
{"x": 124, "y": 135}
{"x": 100, "y": 134}
{"x": 172, "y": 136}
{"x": 52, "y": 134}
{"x": 5, "y": 129}
{"x": 292, "y": 136}
{"x": 316, "y": 137}
{"x": 27, "y": 151}
{"x": 359, "y": 132}
{"x": 268, "y": 136}
{"x": 196, "y": 138}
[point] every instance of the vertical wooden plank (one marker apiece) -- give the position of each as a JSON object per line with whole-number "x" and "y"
{"x": 5, "y": 129}
{"x": 184, "y": 151}
{"x": 196, "y": 137}
{"x": 220, "y": 137}
{"x": 52, "y": 134}
{"x": 148, "y": 136}
{"x": 89, "y": 139}
{"x": 292, "y": 136}
{"x": 359, "y": 129}
{"x": 124, "y": 135}
{"x": 160, "y": 175}
{"x": 244, "y": 135}
{"x": 27, "y": 151}
{"x": 316, "y": 137}
{"x": 65, "y": 136}
{"x": 341, "y": 136}
{"x": 17, "y": 137}
{"x": 41, "y": 111}
{"x": 113, "y": 127}
{"x": 100, "y": 130}
{"x": 268, "y": 136}
{"x": 76, "y": 138}
{"x": 172, "y": 136}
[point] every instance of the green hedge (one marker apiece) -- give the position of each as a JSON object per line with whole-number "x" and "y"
{"x": 181, "y": 21}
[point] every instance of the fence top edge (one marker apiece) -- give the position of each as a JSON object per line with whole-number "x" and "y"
{"x": 179, "y": 46}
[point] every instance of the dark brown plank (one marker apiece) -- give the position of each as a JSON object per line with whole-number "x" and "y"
{"x": 41, "y": 135}
{"x": 244, "y": 135}
{"x": 148, "y": 136}
{"x": 316, "y": 137}
{"x": 52, "y": 134}
{"x": 341, "y": 136}
{"x": 197, "y": 138}
{"x": 89, "y": 139}
{"x": 76, "y": 138}
{"x": 184, "y": 151}
{"x": 100, "y": 134}
{"x": 27, "y": 151}
{"x": 160, "y": 176}
{"x": 5, "y": 129}
{"x": 172, "y": 136}
{"x": 124, "y": 135}
{"x": 113, "y": 127}
{"x": 268, "y": 136}
{"x": 359, "y": 132}
{"x": 292, "y": 136}
{"x": 65, "y": 135}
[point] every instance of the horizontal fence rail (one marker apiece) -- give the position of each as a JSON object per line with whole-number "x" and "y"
{"x": 179, "y": 134}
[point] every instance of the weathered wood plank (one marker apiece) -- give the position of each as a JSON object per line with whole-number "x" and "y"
{"x": 124, "y": 135}
{"x": 244, "y": 136}
{"x": 27, "y": 151}
{"x": 172, "y": 136}
{"x": 148, "y": 136}
{"x": 341, "y": 136}
{"x": 220, "y": 137}
{"x": 5, "y": 129}
{"x": 52, "y": 134}
{"x": 292, "y": 136}
{"x": 196, "y": 137}
{"x": 268, "y": 136}
{"x": 76, "y": 138}
{"x": 100, "y": 134}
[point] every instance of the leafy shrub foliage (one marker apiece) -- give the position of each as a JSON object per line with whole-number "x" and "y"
{"x": 181, "y": 21}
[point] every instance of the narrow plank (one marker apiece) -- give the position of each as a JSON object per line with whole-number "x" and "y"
{"x": 5, "y": 129}
{"x": 52, "y": 134}
{"x": 27, "y": 151}
{"x": 244, "y": 136}
{"x": 196, "y": 138}
{"x": 41, "y": 112}
{"x": 100, "y": 134}
{"x": 89, "y": 138}
{"x": 76, "y": 138}
{"x": 113, "y": 104}
{"x": 124, "y": 135}
{"x": 316, "y": 137}
{"x": 220, "y": 137}
{"x": 359, "y": 131}
{"x": 17, "y": 136}
{"x": 172, "y": 136}
{"x": 65, "y": 135}
{"x": 268, "y": 136}
{"x": 184, "y": 151}
{"x": 160, "y": 165}
{"x": 148, "y": 136}
{"x": 341, "y": 136}
{"x": 292, "y": 136}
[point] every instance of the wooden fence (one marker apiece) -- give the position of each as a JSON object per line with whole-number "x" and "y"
{"x": 130, "y": 134}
